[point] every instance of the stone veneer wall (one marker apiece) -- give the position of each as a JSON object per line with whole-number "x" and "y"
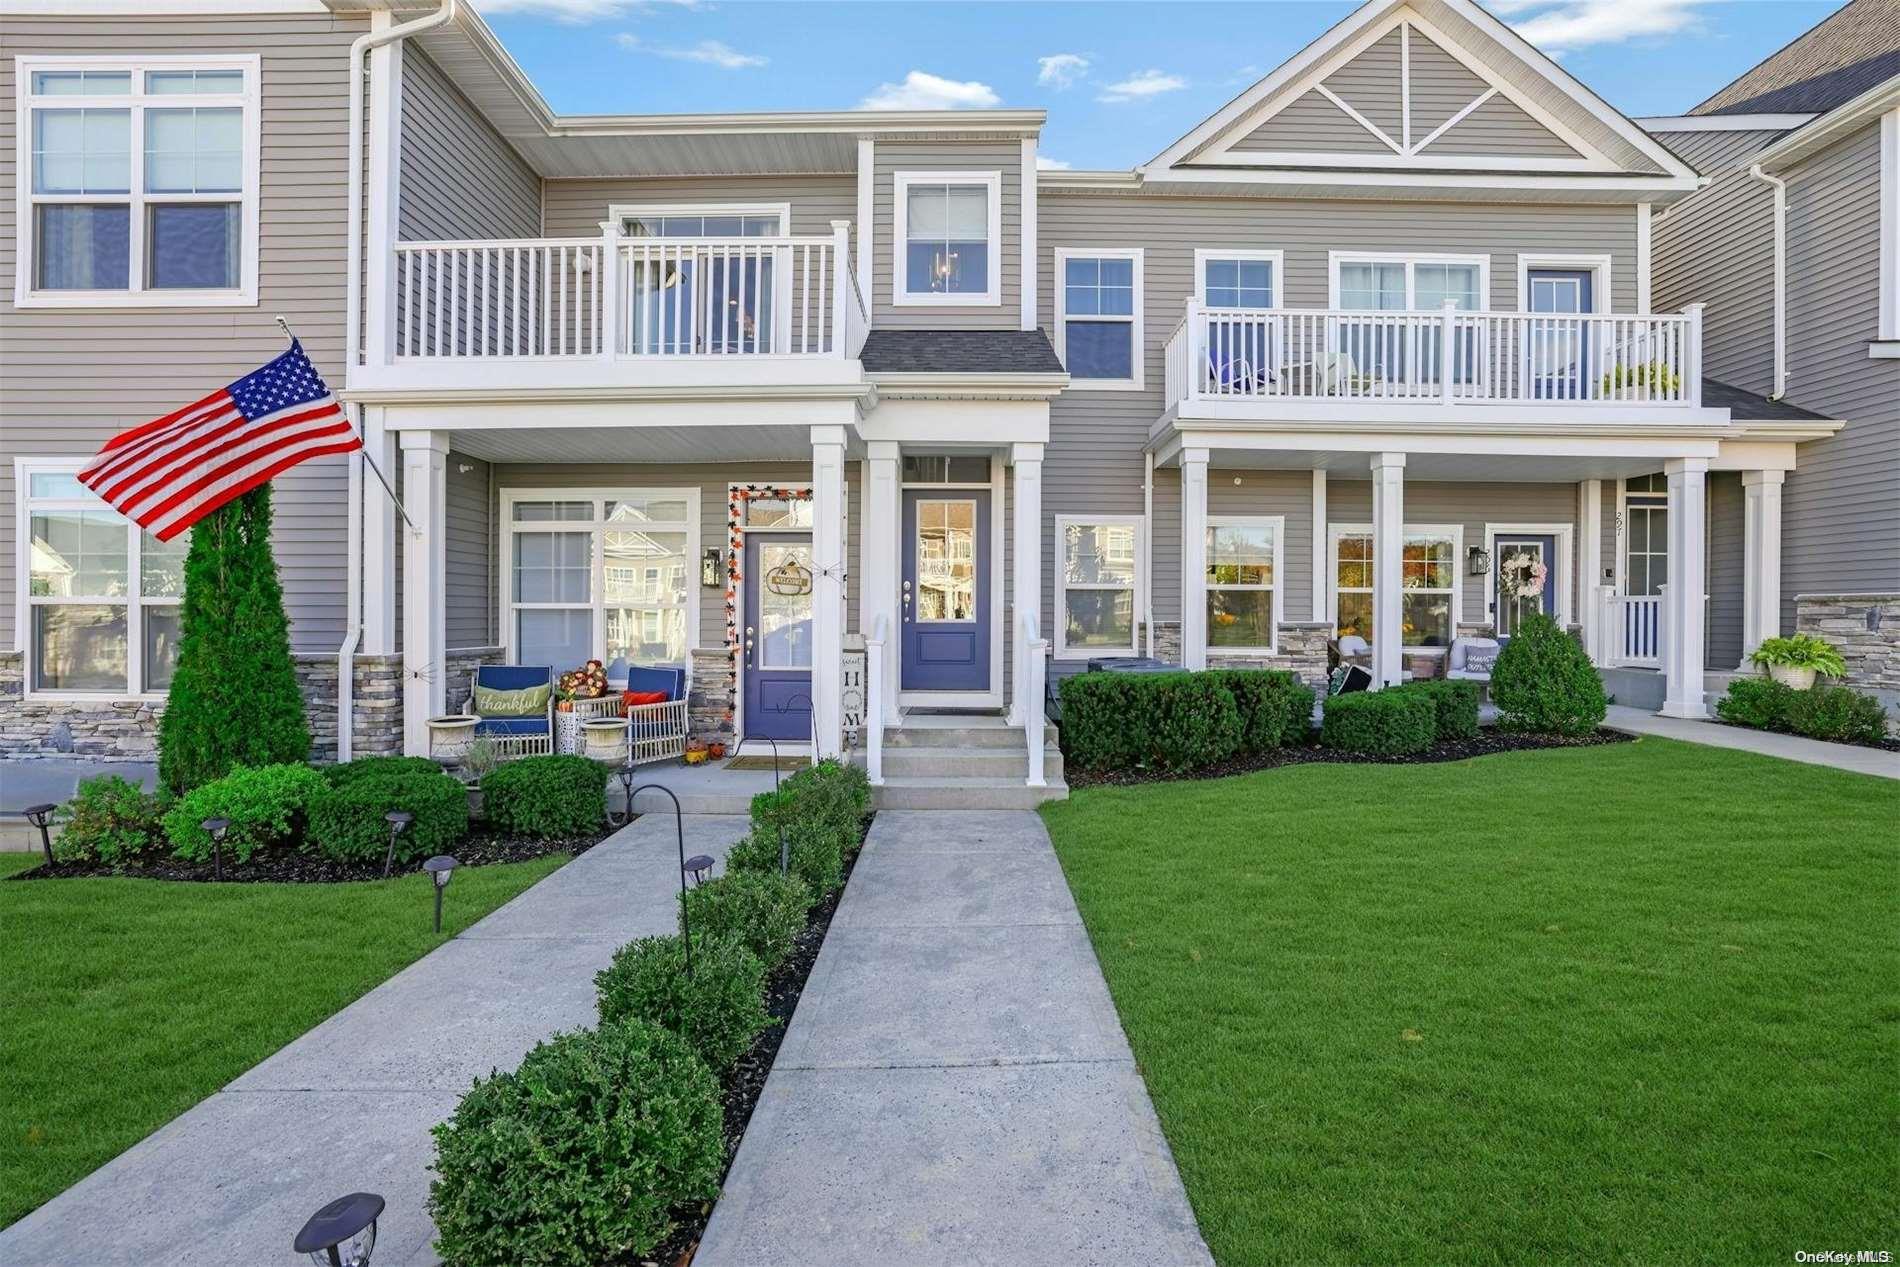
{"x": 1302, "y": 650}
{"x": 709, "y": 700}
{"x": 1865, "y": 628}
{"x": 459, "y": 663}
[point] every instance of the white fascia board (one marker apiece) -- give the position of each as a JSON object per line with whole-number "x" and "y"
{"x": 157, "y": 8}
{"x": 1831, "y": 126}
{"x": 1636, "y": 442}
{"x": 1723, "y": 122}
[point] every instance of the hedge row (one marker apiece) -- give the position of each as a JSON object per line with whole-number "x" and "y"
{"x": 1820, "y": 712}
{"x": 1180, "y": 721}
{"x": 585, "y": 1154}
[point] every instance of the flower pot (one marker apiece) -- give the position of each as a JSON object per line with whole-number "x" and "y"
{"x": 1788, "y": 675}
{"x": 695, "y": 756}
{"x": 604, "y": 739}
{"x": 450, "y": 736}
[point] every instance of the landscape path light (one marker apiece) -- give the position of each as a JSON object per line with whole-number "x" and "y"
{"x": 440, "y": 868}
{"x": 679, "y": 832}
{"x": 397, "y": 819}
{"x": 699, "y": 866}
{"x": 626, "y": 773}
{"x": 217, "y": 827}
{"x": 41, "y": 816}
{"x": 342, "y": 1233}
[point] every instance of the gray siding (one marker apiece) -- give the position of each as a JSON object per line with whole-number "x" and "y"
{"x": 958, "y": 156}
{"x": 575, "y": 208}
{"x": 1725, "y": 574}
{"x": 1500, "y": 126}
{"x": 1841, "y": 506}
{"x": 75, "y": 377}
{"x": 1370, "y": 82}
{"x": 459, "y": 178}
{"x": 1441, "y": 86}
{"x": 1717, "y": 247}
{"x": 1311, "y": 125}
{"x": 468, "y": 579}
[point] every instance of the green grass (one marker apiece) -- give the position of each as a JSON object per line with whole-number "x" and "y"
{"x": 125, "y": 1002}
{"x": 1625, "y": 1004}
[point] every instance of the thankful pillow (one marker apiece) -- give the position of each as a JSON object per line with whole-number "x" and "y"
{"x": 529, "y": 701}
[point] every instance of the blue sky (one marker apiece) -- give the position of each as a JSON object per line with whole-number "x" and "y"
{"x": 1120, "y": 80}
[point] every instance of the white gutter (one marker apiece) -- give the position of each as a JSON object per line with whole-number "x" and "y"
{"x": 1147, "y": 548}
{"x": 1781, "y": 278}
{"x": 352, "y": 338}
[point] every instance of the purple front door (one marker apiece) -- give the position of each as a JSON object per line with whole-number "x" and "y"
{"x": 946, "y": 590}
{"x": 777, "y": 636}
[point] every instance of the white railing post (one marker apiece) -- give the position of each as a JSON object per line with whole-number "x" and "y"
{"x": 610, "y": 306}
{"x": 1194, "y": 381}
{"x": 1692, "y": 357}
{"x": 1448, "y": 339}
{"x": 874, "y": 702}
{"x": 1035, "y": 663}
{"x": 843, "y": 295}
{"x": 1609, "y": 636}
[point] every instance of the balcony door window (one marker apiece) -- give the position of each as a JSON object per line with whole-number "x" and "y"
{"x": 600, "y": 575}
{"x": 1406, "y": 351}
{"x": 697, "y": 283}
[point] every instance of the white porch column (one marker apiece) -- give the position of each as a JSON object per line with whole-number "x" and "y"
{"x": 1388, "y": 540}
{"x": 1590, "y": 566}
{"x": 424, "y": 566}
{"x": 1684, "y": 597}
{"x": 827, "y": 547}
{"x": 1194, "y": 558}
{"x": 1027, "y": 565}
{"x": 1320, "y": 544}
{"x": 877, "y": 560}
{"x": 380, "y": 543}
{"x": 1761, "y": 565}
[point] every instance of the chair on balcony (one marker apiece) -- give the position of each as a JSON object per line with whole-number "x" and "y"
{"x": 656, "y": 728}
{"x": 515, "y": 703}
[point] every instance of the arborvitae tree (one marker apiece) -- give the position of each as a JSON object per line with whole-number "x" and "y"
{"x": 234, "y": 697}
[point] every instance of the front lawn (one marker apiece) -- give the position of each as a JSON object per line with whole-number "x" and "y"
{"x": 1637, "y": 1003}
{"x": 125, "y": 1002}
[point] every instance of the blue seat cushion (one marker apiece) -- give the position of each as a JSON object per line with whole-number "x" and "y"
{"x": 657, "y": 678}
{"x": 512, "y": 726}
{"x": 513, "y": 677}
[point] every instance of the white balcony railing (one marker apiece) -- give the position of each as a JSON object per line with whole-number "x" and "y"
{"x": 1445, "y": 357}
{"x": 613, "y": 297}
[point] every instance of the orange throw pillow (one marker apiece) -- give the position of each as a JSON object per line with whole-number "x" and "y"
{"x": 630, "y": 699}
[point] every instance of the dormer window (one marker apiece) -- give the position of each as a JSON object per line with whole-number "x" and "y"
{"x": 948, "y": 231}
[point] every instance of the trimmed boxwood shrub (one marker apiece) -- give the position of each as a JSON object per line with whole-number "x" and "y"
{"x": 1836, "y": 713}
{"x": 762, "y": 910}
{"x": 1276, "y": 708}
{"x": 1104, "y": 719}
{"x": 347, "y": 824}
{"x": 719, "y": 1009}
{"x": 547, "y": 797}
{"x": 1389, "y": 723}
{"x": 580, "y": 1156}
{"x": 828, "y": 798}
{"x": 816, "y": 857}
{"x": 109, "y": 820}
{"x": 1756, "y": 701}
{"x": 378, "y": 767}
{"x": 1196, "y": 721}
{"x": 1175, "y": 721}
{"x": 268, "y": 806}
{"x": 1544, "y": 682}
{"x": 1456, "y": 703}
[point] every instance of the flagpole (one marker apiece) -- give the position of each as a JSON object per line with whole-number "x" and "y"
{"x": 368, "y": 461}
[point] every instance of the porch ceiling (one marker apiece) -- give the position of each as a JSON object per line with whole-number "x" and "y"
{"x": 643, "y": 444}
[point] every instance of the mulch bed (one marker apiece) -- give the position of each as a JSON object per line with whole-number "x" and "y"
{"x": 481, "y": 847}
{"x": 1487, "y": 743}
{"x": 1890, "y": 743}
{"x": 747, "y": 1080}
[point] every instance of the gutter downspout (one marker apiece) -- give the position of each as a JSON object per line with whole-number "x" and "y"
{"x": 1148, "y": 548}
{"x": 352, "y": 337}
{"x": 1781, "y": 277}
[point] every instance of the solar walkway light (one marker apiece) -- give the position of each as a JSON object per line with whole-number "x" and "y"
{"x": 342, "y": 1233}
{"x": 41, "y": 816}
{"x": 440, "y": 868}
{"x": 217, "y": 827}
{"x": 398, "y": 820}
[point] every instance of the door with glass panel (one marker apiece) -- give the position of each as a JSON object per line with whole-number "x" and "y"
{"x": 1529, "y": 565}
{"x": 1405, "y": 351}
{"x": 945, "y": 599}
{"x": 777, "y": 647}
{"x": 696, "y": 285}
{"x": 1559, "y": 345}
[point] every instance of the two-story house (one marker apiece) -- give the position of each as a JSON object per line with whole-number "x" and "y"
{"x": 1794, "y": 248}
{"x": 736, "y": 391}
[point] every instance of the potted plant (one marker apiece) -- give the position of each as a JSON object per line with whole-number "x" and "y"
{"x": 695, "y": 752}
{"x": 450, "y": 737}
{"x": 1796, "y": 661}
{"x": 605, "y": 739}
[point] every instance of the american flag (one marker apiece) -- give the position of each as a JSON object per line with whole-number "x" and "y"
{"x": 173, "y": 471}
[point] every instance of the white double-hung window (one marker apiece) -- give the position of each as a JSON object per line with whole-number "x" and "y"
{"x": 1098, "y": 590}
{"x": 948, "y": 237}
{"x": 603, "y": 574}
{"x": 1243, "y": 590}
{"x": 1098, "y": 317}
{"x": 99, "y": 597}
{"x": 1375, "y": 282}
{"x": 1429, "y": 583}
{"x": 139, "y": 181}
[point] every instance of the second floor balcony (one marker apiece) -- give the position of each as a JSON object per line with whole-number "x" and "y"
{"x": 616, "y": 311}
{"x": 1321, "y": 364}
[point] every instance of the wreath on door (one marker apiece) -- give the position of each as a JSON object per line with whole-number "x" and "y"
{"x": 1522, "y": 575}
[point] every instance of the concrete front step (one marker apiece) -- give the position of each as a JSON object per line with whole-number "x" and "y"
{"x": 913, "y": 735}
{"x": 982, "y": 762}
{"x": 964, "y": 793}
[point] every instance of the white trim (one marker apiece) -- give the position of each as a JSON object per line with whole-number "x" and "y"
{"x": 1320, "y": 586}
{"x": 1620, "y": 563}
{"x": 992, "y": 295}
{"x": 1830, "y": 127}
{"x": 1565, "y": 570}
{"x": 1455, "y": 119}
{"x": 1277, "y": 588}
{"x": 621, "y": 212}
{"x": 867, "y": 216}
{"x": 1204, "y": 254}
{"x": 382, "y": 224}
{"x": 135, "y": 103}
{"x": 1026, "y": 263}
{"x": 1062, "y": 586}
{"x": 992, "y": 696}
{"x": 1408, "y": 258}
{"x": 157, "y": 8}
{"x": 1456, "y": 532}
{"x": 1645, "y": 256}
{"x": 1599, "y": 265}
{"x": 1138, "y": 348}
{"x": 1353, "y": 114}
{"x": 1889, "y": 231}
{"x": 506, "y": 528}
{"x": 1721, "y": 122}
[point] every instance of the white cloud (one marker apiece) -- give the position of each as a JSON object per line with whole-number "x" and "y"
{"x": 1046, "y": 164}
{"x": 1569, "y": 24}
{"x": 1061, "y": 70}
{"x": 582, "y": 10}
{"x": 714, "y": 53}
{"x": 922, "y": 90}
{"x": 1142, "y": 85}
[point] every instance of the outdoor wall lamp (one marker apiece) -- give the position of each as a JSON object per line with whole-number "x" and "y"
{"x": 398, "y": 820}
{"x": 41, "y": 816}
{"x": 1479, "y": 561}
{"x": 440, "y": 868}
{"x": 342, "y": 1233}
{"x": 712, "y": 568}
{"x": 217, "y": 827}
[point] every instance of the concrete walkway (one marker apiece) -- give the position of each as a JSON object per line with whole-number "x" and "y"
{"x": 348, "y": 1106}
{"x": 1840, "y": 756}
{"x": 955, "y": 1087}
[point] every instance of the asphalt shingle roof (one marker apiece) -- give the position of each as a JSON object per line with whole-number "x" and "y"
{"x": 1748, "y": 407}
{"x": 1855, "y": 49}
{"x": 959, "y": 352}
